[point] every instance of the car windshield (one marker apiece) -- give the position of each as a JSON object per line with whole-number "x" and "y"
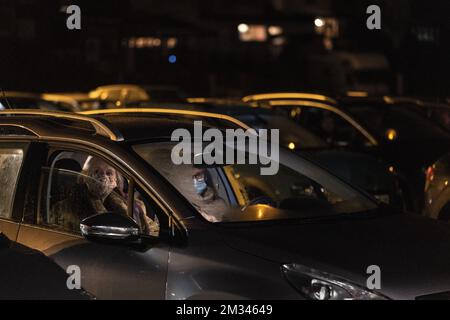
{"x": 239, "y": 193}
{"x": 409, "y": 125}
{"x": 292, "y": 135}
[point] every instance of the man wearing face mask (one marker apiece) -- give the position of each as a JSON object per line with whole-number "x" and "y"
{"x": 193, "y": 183}
{"x": 94, "y": 193}
{"x": 206, "y": 200}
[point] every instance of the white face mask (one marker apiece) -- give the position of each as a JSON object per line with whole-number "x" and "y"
{"x": 200, "y": 185}
{"x": 101, "y": 185}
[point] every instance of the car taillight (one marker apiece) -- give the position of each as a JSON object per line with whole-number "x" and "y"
{"x": 430, "y": 173}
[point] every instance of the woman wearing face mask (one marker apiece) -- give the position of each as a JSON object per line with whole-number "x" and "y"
{"x": 94, "y": 193}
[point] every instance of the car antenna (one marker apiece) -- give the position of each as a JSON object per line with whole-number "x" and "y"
{"x": 6, "y": 99}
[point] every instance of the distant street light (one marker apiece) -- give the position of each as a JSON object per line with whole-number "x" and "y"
{"x": 275, "y": 30}
{"x": 319, "y": 22}
{"x": 243, "y": 28}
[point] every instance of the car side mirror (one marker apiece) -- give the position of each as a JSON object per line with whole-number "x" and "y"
{"x": 110, "y": 226}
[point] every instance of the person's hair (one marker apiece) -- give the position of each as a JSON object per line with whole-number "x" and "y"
{"x": 85, "y": 172}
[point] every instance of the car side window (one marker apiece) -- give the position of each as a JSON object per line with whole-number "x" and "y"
{"x": 204, "y": 188}
{"x": 331, "y": 127}
{"x": 11, "y": 160}
{"x": 132, "y": 95}
{"x": 76, "y": 185}
{"x": 114, "y": 94}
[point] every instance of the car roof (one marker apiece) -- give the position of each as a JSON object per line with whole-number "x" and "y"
{"x": 218, "y": 101}
{"x": 115, "y": 125}
{"x": 376, "y": 100}
{"x": 155, "y": 126}
{"x": 223, "y": 106}
{"x": 351, "y": 99}
{"x": 289, "y": 96}
{"x": 42, "y": 123}
{"x": 117, "y": 86}
{"x": 20, "y": 94}
{"x": 169, "y": 112}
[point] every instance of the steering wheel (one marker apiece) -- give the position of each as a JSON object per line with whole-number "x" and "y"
{"x": 261, "y": 200}
{"x": 317, "y": 189}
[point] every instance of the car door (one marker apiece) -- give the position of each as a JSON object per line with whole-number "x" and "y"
{"x": 12, "y": 159}
{"x": 108, "y": 271}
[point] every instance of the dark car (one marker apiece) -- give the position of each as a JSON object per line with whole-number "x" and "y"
{"x": 103, "y": 193}
{"x": 389, "y": 128}
{"x": 74, "y": 101}
{"x": 360, "y": 169}
{"x": 408, "y": 139}
{"x": 437, "y": 112}
{"x": 28, "y": 274}
{"x": 118, "y": 95}
{"x": 27, "y": 100}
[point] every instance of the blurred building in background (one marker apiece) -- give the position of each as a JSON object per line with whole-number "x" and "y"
{"x": 216, "y": 47}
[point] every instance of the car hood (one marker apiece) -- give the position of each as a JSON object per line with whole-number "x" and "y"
{"x": 360, "y": 169}
{"x": 413, "y": 252}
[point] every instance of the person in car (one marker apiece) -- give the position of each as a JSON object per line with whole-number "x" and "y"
{"x": 205, "y": 197}
{"x": 193, "y": 183}
{"x": 149, "y": 225}
{"x": 96, "y": 192}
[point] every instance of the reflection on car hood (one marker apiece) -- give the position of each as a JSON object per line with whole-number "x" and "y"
{"x": 360, "y": 169}
{"x": 412, "y": 252}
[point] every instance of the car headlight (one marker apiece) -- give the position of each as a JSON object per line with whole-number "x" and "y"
{"x": 318, "y": 285}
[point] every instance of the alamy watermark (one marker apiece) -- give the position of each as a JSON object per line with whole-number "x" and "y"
{"x": 237, "y": 147}
{"x": 374, "y": 280}
{"x": 374, "y": 20}
{"x": 74, "y": 279}
{"x": 73, "y": 21}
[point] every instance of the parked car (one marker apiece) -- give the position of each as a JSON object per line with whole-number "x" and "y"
{"x": 388, "y": 128}
{"x": 74, "y": 101}
{"x": 27, "y": 100}
{"x": 28, "y": 274}
{"x": 118, "y": 95}
{"x": 437, "y": 112}
{"x": 303, "y": 234}
{"x": 360, "y": 169}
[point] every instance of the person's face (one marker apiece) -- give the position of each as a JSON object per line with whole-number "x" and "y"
{"x": 199, "y": 180}
{"x": 104, "y": 178}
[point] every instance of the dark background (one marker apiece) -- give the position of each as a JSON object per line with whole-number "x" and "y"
{"x": 38, "y": 52}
